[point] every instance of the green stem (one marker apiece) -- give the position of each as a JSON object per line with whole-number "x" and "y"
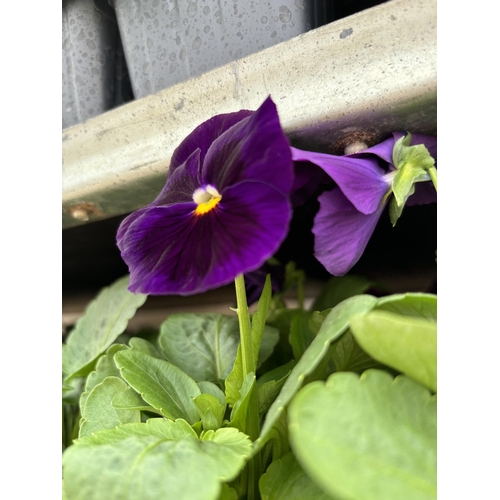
{"x": 434, "y": 177}
{"x": 245, "y": 326}
{"x": 252, "y": 471}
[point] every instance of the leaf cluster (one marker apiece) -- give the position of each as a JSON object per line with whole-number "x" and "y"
{"x": 344, "y": 393}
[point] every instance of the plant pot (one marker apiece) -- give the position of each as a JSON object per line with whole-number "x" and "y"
{"x": 89, "y": 45}
{"x": 166, "y": 42}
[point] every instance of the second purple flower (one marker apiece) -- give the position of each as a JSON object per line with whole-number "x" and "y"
{"x": 349, "y": 213}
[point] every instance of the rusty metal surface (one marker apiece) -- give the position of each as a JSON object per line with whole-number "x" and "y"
{"x": 362, "y": 76}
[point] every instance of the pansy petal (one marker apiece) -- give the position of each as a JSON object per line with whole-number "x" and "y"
{"x": 249, "y": 227}
{"x": 173, "y": 251}
{"x": 361, "y": 179}
{"x": 151, "y": 240}
{"x": 127, "y": 222}
{"x": 425, "y": 193}
{"x": 204, "y": 135}
{"x": 383, "y": 150}
{"x": 181, "y": 185}
{"x": 341, "y": 232}
{"x": 308, "y": 177}
{"x": 255, "y": 149}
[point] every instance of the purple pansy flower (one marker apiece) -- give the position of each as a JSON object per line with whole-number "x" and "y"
{"x": 349, "y": 213}
{"x": 224, "y": 209}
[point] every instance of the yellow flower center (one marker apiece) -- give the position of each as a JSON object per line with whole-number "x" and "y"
{"x": 207, "y": 198}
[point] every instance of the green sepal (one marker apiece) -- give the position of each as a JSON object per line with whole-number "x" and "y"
{"x": 395, "y": 210}
{"x": 412, "y": 163}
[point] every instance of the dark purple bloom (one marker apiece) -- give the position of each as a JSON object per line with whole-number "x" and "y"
{"x": 349, "y": 213}
{"x": 223, "y": 211}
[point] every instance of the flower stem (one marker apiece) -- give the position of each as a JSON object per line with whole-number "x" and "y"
{"x": 434, "y": 176}
{"x": 252, "y": 471}
{"x": 245, "y": 326}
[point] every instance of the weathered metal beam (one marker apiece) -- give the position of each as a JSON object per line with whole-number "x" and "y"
{"x": 366, "y": 74}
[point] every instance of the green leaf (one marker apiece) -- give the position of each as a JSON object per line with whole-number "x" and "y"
{"x": 214, "y": 390}
{"x": 130, "y": 400}
{"x": 300, "y": 335}
{"x": 282, "y": 320}
{"x": 286, "y": 480}
{"x": 99, "y": 414}
{"x": 205, "y": 345}
{"x": 105, "y": 367}
{"x": 202, "y": 345}
{"x": 234, "y": 380}
{"x": 267, "y": 343}
{"x": 335, "y": 324}
{"x": 143, "y": 345}
{"x": 339, "y": 288}
{"x": 211, "y": 411}
{"x": 259, "y": 324}
{"x": 103, "y": 321}
{"x": 278, "y": 437}
{"x": 277, "y": 373}
{"x": 239, "y": 412}
{"x": 157, "y": 427}
{"x": 369, "y": 438}
{"x": 270, "y": 384}
{"x": 146, "y": 465}
{"x": 72, "y": 390}
{"x": 349, "y": 357}
{"x": 161, "y": 384}
{"x": 267, "y": 393}
{"x": 316, "y": 320}
{"x": 405, "y": 343}
{"x": 228, "y": 493}
{"x": 420, "y": 305}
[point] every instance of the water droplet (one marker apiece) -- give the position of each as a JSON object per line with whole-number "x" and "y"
{"x": 206, "y": 10}
{"x": 285, "y": 14}
{"x": 149, "y": 43}
{"x": 263, "y": 19}
{"x": 300, "y": 4}
{"x": 196, "y": 43}
{"x": 192, "y": 9}
{"x": 273, "y": 34}
{"x": 206, "y": 29}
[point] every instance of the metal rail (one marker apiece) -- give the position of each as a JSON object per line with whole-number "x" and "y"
{"x": 362, "y": 76}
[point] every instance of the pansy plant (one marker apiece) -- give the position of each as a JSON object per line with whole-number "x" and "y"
{"x": 203, "y": 411}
